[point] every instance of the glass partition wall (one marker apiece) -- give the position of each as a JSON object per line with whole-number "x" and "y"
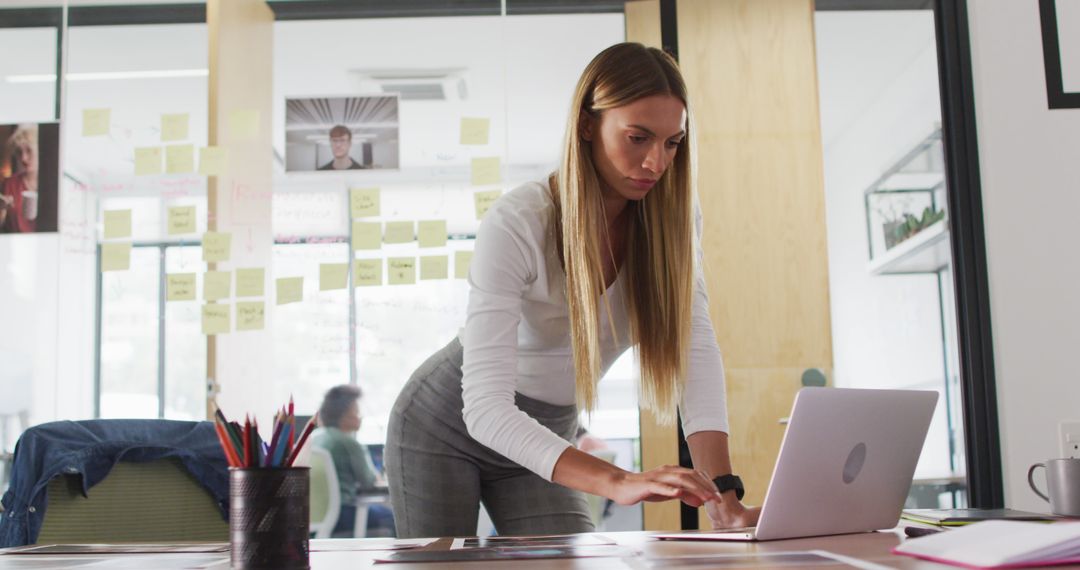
{"x": 444, "y": 113}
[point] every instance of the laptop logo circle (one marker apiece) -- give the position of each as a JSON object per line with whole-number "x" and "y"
{"x": 854, "y": 463}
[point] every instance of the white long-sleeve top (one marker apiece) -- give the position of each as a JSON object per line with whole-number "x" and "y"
{"x": 517, "y": 336}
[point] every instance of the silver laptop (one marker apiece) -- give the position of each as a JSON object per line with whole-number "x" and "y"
{"x": 845, "y": 465}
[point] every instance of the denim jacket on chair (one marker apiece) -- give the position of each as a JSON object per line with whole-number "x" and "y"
{"x": 91, "y": 448}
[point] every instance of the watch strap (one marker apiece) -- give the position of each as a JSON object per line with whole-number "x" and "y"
{"x": 729, "y": 482}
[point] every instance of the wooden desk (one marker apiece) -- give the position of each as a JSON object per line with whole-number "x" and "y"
{"x": 868, "y": 547}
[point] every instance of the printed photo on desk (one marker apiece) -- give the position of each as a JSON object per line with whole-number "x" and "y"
{"x": 490, "y": 554}
{"x": 29, "y": 173}
{"x": 325, "y": 134}
{"x": 530, "y": 541}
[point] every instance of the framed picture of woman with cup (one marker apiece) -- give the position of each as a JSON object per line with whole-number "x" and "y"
{"x": 29, "y": 172}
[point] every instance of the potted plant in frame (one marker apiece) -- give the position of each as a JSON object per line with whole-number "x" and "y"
{"x": 899, "y": 230}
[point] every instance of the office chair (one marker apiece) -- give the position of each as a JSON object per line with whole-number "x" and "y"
{"x": 326, "y": 498}
{"x": 157, "y": 501}
{"x": 325, "y": 495}
{"x": 144, "y": 481}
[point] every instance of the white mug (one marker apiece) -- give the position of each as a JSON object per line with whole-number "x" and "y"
{"x": 1062, "y": 485}
{"x": 30, "y": 204}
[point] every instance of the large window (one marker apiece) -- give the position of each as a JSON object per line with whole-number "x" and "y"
{"x": 141, "y": 348}
{"x": 440, "y": 70}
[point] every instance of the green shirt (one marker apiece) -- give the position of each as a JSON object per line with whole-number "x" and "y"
{"x": 351, "y": 461}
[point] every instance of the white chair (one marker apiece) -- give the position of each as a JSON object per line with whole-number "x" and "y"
{"x": 325, "y": 497}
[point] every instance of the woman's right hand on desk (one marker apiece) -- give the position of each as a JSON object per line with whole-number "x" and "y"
{"x": 663, "y": 484}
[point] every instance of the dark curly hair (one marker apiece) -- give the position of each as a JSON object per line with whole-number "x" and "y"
{"x": 336, "y": 402}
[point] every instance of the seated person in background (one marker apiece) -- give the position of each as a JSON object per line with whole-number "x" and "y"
{"x": 339, "y": 418}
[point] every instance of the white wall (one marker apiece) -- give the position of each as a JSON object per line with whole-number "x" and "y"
{"x": 1029, "y": 159}
{"x": 878, "y": 87}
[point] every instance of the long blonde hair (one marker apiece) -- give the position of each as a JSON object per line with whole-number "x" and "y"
{"x": 659, "y": 260}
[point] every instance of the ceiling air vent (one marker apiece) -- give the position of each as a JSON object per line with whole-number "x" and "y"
{"x": 416, "y": 91}
{"x": 429, "y": 84}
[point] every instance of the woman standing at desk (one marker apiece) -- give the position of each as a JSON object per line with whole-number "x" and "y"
{"x": 567, "y": 274}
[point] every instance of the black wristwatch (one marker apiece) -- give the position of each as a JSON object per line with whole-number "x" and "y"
{"x": 729, "y": 482}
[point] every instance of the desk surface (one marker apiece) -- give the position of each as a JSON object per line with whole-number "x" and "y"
{"x": 869, "y": 547}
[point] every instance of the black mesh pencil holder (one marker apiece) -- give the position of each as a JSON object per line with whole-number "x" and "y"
{"x": 269, "y": 517}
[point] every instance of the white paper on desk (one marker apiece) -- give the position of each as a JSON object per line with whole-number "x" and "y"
{"x": 131, "y": 548}
{"x": 159, "y": 562}
{"x": 46, "y": 562}
{"x": 997, "y": 543}
{"x": 793, "y": 559}
{"x": 358, "y": 544}
{"x": 530, "y": 541}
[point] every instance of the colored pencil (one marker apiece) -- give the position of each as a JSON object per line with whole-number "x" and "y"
{"x": 303, "y": 439}
{"x": 292, "y": 427}
{"x": 244, "y": 447}
{"x": 279, "y": 453}
{"x": 233, "y": 433}
{"x": 274, "y": 440}
{"x": 246, "y": 460}
{"x": 256, "y": 444}
{"x": 226, "y": 445}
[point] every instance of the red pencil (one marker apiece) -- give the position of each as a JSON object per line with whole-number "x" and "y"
{"x": 247, "y": 442}
{"x": 292, "y": 424}
{"x": 303, "y": 438}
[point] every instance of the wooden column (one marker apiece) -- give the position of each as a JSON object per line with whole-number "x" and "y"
{"x": 240, "y": 89}
{"x": 751, "y": 71}
{"x": 659, "y": 443}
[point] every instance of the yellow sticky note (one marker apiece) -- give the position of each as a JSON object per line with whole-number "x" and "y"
{"x": 364, "y": 202}
{"x": 181, "y": 220}
{"x": 432, "y": 233}
{"x": 475, "y": 130}
{"x": 174, "y": 127}
{"x": 366, "y": 235}
{"x": 402, "y": 270}
{"x": 212, "y": 161}
{"x": 250, "y": 316}
{"x": 217, "y": 285}
{"x": 484, "y": 200}
{"x": 486, "y": 171}
{"x": 290, "y": 290}
{"x": 433, "y": 267}
{"x": 367, "y": 272}
{"x": 95, "y": 122}
{"x": 115, "y": 256}
{"x": 147, "y": 160}
{"x": 249, "y": 282}
{"x": 462, "y": 259}
{"x": 244, "y": 124}
{"x": 216, "y": 246}
{"x": 179, "y": 158}
{"x": 399, "y": 232}
{"x": 117, "y": 224}
{"x": 180, "y": 287}
{"x": 215, "y": 319}
{"x": 333, "y": 276}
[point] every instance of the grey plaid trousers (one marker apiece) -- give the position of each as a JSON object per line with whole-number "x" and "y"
{"x": 438, "y": 474}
